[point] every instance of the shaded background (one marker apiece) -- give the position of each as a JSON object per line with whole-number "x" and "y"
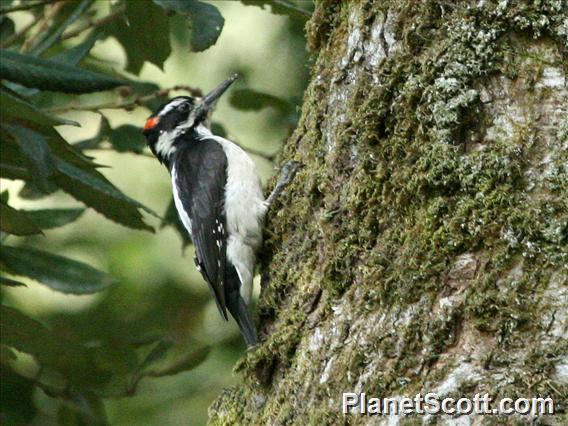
{"x": 158, "y": 290}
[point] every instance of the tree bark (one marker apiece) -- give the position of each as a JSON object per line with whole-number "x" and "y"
{"x": 423, "y": 246}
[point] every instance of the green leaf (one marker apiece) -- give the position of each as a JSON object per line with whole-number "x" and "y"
{"x": 280, "y": 7}
{"x": 30, "y": 191}
{"x": 7, "y": 355}
{"x": 218, "y": 129}
{"x": 27, "y": 335}
{"x": 14, "y": 109}
{"x": 86, "y": 184}
{"x": 69, "y": 362}
{"x": 184, "y": 362}
{"x": 143, "y": 88}
{"x": 59, "y": 273}
{"x": 35, "y": 149}
{"x": 51, "y": 38}
{"x": 83, "y": 408}
{"x": 206, "y": 21}
{"x": 10, "y": 282}
{"x": 16, "y": 222}
{"x": 53, "y": 218}
{"x": 156, "y": 354}
{"x": 95, "y": 141}
{"x": 144, "y": 34}
{"x": 70, "y": 56}
{"x": 32, "y": 141}
{"x": 52, "y": 75}
{"x": 95, "y": 180}
{"x": 6, "y": 6}
{"x": 75, "y": 54}
{"x": 252, "y": 100}
{"x": 60, "y": 148}
{"x": 93, "y": 189}
{"x": 17, "y": 395}
{"x": 206, "y": 25}
{"x": 7, "y": 27}
{"x": 10, "y": 171}
{"x": 127, "y": 138}
{"x": 13, "y": 164}
{"x": 56, "y": 355}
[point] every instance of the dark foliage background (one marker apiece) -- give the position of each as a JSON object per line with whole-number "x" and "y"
{"x": 103, "y": 317}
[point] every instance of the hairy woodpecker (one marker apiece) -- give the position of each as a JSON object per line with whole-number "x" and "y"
{"x": 218, "y": 196}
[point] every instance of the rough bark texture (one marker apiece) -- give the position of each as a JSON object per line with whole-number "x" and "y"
{"x": 423, "y": 246}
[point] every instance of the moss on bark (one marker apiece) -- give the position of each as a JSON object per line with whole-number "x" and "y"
{"x": 423, "y": 246}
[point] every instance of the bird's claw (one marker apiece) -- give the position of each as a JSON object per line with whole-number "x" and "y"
{"x": 287, "y": 174}
{"x": 289, "y": 170}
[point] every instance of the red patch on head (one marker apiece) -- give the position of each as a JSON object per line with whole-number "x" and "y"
{"x": 151, "y": 123}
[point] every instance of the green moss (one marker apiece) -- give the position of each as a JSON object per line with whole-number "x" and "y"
{"x": 324, "y": 20}
{"x": 378, "y": 222}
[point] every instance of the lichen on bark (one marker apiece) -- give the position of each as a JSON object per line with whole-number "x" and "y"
{"x": 423, "y": 246}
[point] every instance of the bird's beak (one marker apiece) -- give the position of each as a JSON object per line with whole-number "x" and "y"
{"x": 209, "y": 100}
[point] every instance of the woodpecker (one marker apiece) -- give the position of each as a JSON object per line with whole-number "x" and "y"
{"x": 218, "y": 196}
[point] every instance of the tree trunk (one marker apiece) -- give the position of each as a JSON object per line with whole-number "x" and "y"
{"x": 423, "y": 246}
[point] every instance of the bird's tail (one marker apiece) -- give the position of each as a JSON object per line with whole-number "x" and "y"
{"x": 238, "y": 309}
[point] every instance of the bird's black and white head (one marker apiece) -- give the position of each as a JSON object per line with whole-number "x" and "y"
{"x": 178, "y": 116}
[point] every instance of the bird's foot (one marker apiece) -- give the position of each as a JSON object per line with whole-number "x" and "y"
{"x": 287, "y": 174}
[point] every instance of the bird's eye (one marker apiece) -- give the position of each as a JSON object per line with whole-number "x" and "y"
{"x": 184, "y": 107}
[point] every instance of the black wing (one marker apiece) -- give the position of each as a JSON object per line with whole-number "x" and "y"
{"x": 201, "y": 175}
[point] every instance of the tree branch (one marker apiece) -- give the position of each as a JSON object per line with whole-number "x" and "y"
{"x": 110, "y": 148}
{"x": 14, "y": 37}
{"x": 268, "y": 157}
{"x": 95, "y": 23}
{"x": 48, "y": 15}
{"x": 289, "y": 6}
{"x": 129, "y": 103}
{"x": 25, "y": 6}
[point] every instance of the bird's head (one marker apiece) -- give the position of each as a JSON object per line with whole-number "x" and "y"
{"x": 180, "y": 115}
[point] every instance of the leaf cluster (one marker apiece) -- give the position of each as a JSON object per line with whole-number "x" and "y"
{"x": 44, "y": 65}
